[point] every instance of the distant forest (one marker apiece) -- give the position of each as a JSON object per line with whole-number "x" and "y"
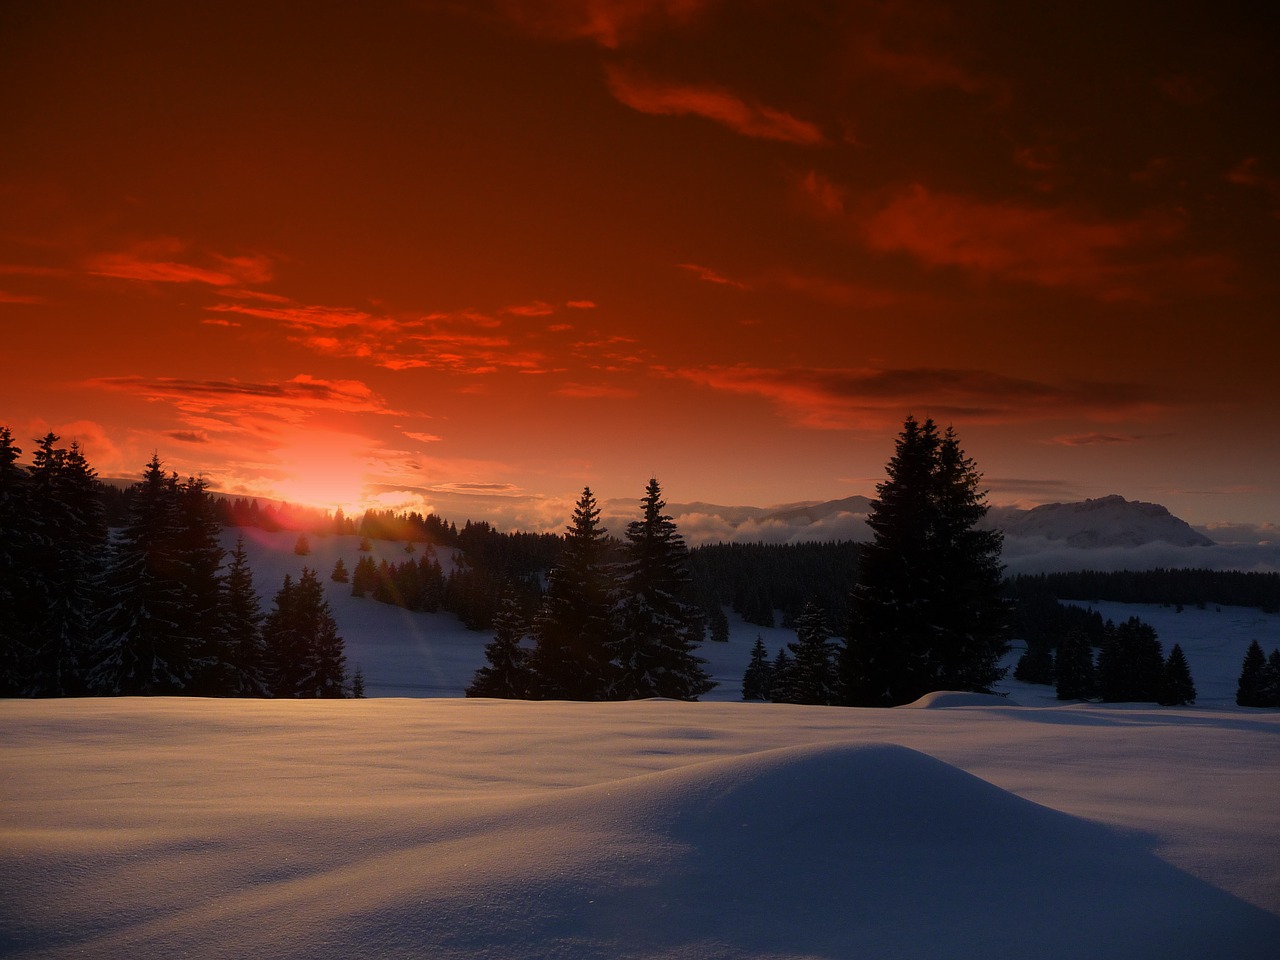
{"x": 118, "y": 590}
{"x": 765, "y": 584}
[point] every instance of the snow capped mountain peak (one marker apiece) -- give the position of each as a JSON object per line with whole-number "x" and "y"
{"x": 1110, "y": 521}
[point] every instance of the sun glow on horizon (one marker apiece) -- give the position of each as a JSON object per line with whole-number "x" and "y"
{"x": 327, "y": 470}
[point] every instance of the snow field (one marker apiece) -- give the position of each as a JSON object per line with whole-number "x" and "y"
{"x": 465, "y": 828}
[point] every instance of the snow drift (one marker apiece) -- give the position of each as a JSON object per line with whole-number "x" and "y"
{"x": 454, "y": 828}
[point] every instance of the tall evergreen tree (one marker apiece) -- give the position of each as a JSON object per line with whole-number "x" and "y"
{"x": 781, "y": 677}
{"x": 69, "y": 536}
{"x": 1250, "y": 690}
{"x": 756, "y": 680}
{"x": 241, "y": 617}
{"x": 573, "y": 630}
{"x": 927, "y": 611}
{"x": 506, "y": 675}
{"x": 654, "y": 653}
{"x": 198, "y": 547}
{"x": 141, "y": 646}
{"x": 1130, "y": 663}
{"x": 306, "y": 656}
{"x": 1271, "y": 680}
{"x": 814, "y": 678}
{"x": 1074, "y": 670}
{"x": 1036, "y": 664}
{"x": 17, "y": 550}
{"x": 1176, "y": 687}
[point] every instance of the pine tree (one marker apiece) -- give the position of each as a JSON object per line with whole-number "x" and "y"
{"x": 507, "y": 675}
{"x": 718, "y": 624}
{"x": 17, "y": 549}
{"x": 1074, "y": 669}
{"x": 1036, "y": 664}
{"x": 814, "y": 678}
{"x": 305, "y": 654}
{"x": 141, "y": 646}
{"x": 781, "y": 676}
{"x": 654, "y": 652}
{"x": 339, "y": 574}
{"x": 927, "y": 611}
{"x": 573, "y": 630}
{"x": 1176, "y": 687}
{"x": 1271, "y": 681}
{"x": 1251, "y": 688}
{"x": 1130, "y": 664}
{"x": 365, "y": 578}
{"x": 198, "y": 546}
{"x": 70, "y": 535}
{"x": 357, "y": 682}
{"x": 756, "y": 680}
{"x": 242, "y": 623}
{"x": 303, "y": 546}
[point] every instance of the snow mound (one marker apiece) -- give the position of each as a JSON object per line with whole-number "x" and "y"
{"x": 832, "y": 851}
{"x": 958, "y": 698}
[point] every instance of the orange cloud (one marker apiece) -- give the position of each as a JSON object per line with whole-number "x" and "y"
{"x": 821, "y": 196}
{"x": 30, "y": 298}
{"x": 710, "y": 276}
{"x": 712, "y": 103}
{"x": 1048, "y": 246}
{"x": 435, "y": 341}
{"x": 595, "y": 391}
{"x": 839, "y": 293}
{"x": 609, "y": 23}
{"x": 299, "y": 316}
{"x": 920, "y": 68}
{"x": 1097, "y": 439}
{"x": 293, "y": 400}
{"x": 536, "y": 309}
{"x": 152, "y": 262}
{"x": 843, "y": 399}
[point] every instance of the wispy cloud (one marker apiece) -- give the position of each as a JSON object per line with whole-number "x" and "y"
{"x": 155, "y": 261}
{"x": 834, "y": 291}
{"x": 292, "y": 401}
{"x": 595, "y": 391}
{"x": 711, "y": 102}
{"x": 187, "y": 436}
{"x": 843, "y": 399}
{"x": 1097, "y": 439}
{"x": 27, "y": 298}
{"x": 708, "y": 275}
{"x": 1117, "y": 259}
{"x": 609, "y": 23}
{"x": 465, "y": 341}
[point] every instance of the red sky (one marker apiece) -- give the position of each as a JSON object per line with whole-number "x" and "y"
{"x": 472, "y": 256}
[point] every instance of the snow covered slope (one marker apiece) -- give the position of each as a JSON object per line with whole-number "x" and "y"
{"x": 1109, "y": 521}
{"x": 403, "y": 654}
{"x": 475, "y": 828}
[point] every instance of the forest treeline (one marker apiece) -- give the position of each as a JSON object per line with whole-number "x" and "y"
{"x": 109, "y": 590}
{"x": 1167, "y": 587}
{"x": 153, "y": 608}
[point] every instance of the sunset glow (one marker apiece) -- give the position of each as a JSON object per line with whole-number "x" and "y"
{"x": 471, "y": 257}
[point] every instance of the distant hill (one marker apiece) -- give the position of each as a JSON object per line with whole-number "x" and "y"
{"x": 1110, "y": 521}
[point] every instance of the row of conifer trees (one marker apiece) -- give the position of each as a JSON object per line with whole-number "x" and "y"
{"x": 152, "y": 610}
{"x": 615, "y": 621}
